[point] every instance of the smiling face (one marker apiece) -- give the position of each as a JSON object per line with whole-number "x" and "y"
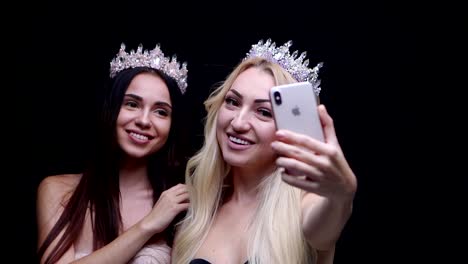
{"x": 245, "y": 125}
{"x": 144, "y": 119}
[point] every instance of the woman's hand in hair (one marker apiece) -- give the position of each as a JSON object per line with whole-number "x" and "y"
{"x": 169, "y": 205}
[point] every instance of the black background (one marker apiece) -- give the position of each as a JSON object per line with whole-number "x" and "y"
{"x": 62, "y": 52}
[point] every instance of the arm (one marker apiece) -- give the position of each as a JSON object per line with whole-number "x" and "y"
{"x": 121, "y": 249}
{"x": 157, "y": 252}
{"x": 321, "y": 170}
{"x": 124, "y": 247}
{"x": 326, "y": 257}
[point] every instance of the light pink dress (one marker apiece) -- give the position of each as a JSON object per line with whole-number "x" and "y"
{"x": 150, "y": 254}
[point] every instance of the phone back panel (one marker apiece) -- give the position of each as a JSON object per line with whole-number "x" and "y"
{"x": 298, "y": 109}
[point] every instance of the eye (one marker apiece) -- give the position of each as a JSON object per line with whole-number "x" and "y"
{"x": 264, "y": 112}
{"x": 162, "y": 112}
{"x": 231, "y": 101}
{"x": 131, "y": 104}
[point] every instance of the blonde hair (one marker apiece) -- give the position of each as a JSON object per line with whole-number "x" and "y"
{"x": 276, "y": 233}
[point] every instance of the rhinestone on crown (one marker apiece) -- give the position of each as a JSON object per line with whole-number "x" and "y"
{"x": 296, "y": 66}
{"x": 154, "y": 59}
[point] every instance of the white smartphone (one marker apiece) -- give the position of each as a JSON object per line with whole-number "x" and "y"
{"x": 295, "y": 108}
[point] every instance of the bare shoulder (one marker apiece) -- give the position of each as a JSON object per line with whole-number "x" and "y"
{"x": 52, "y": 195}
{"x": 57, "y": 187}
{"x": 60, "y": 181}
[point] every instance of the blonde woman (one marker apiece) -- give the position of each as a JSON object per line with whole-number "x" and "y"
{"x": 244, "y": 207}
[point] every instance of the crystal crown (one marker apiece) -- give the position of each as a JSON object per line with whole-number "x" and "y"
{"x": 154, "y": 59}
{"x": 296, "y": 66}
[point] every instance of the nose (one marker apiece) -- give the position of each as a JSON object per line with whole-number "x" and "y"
{"x": 241, "y": 122}
{"x": 143, "y": 120}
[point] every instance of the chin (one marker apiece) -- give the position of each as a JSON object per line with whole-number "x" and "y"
{"x": 138, "y": 151}
{"x": 135, "y": 152}
{"x": 237, "y": 160}
{"x": 136, "y": 155}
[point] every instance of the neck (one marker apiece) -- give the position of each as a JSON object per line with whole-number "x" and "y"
{"x": 133, "y": 174}
{"x": 246, "y": 181}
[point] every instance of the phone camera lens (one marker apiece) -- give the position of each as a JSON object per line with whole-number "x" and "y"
{"x": 277, "y": 97}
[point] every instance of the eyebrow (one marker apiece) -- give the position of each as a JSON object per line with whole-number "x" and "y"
{"x": 256, "y": 100}
{"x": 139, "y": 98}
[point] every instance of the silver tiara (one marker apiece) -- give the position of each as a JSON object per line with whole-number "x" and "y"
{"x": 296, "y": 66}
{"x": 154, "y": 59}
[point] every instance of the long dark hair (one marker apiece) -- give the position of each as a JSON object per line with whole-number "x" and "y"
{"x": 98, "y": 188}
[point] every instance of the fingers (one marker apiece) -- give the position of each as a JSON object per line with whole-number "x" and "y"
{"x": 296, "y": 168}
{"x": 182, "y": 191}
{"x": 310, "y": 186}
{"x": 312, "y": 165}
{"x": 309, "y": 142}
{"x": 183, "y": 206}
{"x": 299, "y": 153}
{"x": 327, "y": 124}
{"x": 304, "y": 141}
{"x": 177, "y": 189}
{"x": 177, "y": 194}
{"x": 182, "y": 198}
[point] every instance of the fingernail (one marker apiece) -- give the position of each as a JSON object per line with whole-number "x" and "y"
{"x": 280, "y": 133}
